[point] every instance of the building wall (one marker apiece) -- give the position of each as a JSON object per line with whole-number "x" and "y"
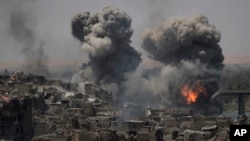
{"x": 27, "y": 119}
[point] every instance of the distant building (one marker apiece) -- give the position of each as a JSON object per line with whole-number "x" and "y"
{"x": 89, "y": 89}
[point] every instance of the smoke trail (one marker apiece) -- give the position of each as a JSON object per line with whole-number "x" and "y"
{"x": 189, "y": 50}
{"x": 106, "y": 38}
{"x": 21, "y": 27}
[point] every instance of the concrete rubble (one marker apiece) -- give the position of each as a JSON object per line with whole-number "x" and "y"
{"x": 37, "y": 109}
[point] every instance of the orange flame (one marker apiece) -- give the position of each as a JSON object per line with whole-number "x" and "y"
{"x": 191, "y": 93}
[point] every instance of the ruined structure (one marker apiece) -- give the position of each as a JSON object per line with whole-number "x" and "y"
{"x": 38, "y": 110}
{"x": 16, "y": 118}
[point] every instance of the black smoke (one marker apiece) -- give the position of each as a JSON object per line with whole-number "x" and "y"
{"x": 105, "y": 36}
{"x": 184, "y": 39}
{"x": 189, "y": 50}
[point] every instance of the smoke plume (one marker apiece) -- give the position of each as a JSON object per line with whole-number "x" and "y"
{"x": 105, "y": 36}
{"x": 192, "y": 57}
{"x": 21, "y": 27}
{"x": 187, "y": 39}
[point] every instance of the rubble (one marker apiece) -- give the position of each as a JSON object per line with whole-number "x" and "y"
{"x": 40, "y": 111}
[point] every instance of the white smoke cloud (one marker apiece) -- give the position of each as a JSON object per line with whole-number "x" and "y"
{"x": 97, "y": 46}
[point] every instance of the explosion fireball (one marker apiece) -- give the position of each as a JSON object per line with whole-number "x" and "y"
{"x": 192, "y": 93}
{"x": 192, "y": 57}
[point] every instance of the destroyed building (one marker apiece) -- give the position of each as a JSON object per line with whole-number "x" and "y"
{"x": 182, "y": 108}
{"x": 16, "y": 118}
{"x": 50, "y": 112}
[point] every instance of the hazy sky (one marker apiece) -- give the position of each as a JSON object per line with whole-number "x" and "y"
{"x": 53, "y": 19}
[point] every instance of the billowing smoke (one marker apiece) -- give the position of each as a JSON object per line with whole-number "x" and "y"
{"x": 188, "y": 39}
{"x": 191, "y": 57}
{"x": 21, "y": 27}
{"x": 105, "y": 36}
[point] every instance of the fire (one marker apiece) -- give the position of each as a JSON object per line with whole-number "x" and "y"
{"x": 191, "y": 93}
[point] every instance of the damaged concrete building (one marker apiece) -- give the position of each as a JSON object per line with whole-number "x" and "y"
{"x": 46, "y": 111}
